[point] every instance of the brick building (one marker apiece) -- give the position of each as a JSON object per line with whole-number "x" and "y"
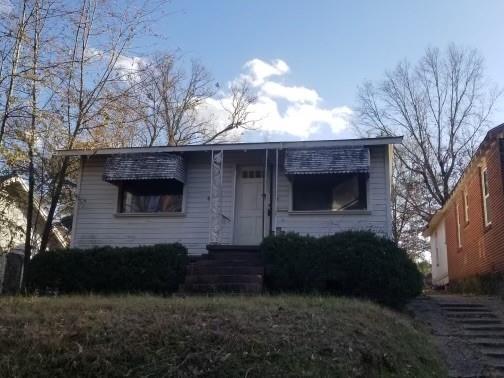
{"x": 467, "y": 234}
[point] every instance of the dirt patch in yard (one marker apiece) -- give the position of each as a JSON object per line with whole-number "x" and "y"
{"x": 220, "y": 336}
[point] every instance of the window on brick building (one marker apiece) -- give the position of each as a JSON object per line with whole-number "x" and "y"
{"x": 459, "y": 238}
{"x": 487, "y": 213}
{"x": 466, "y": 206}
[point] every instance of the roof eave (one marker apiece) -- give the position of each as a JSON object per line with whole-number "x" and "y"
{"x": 236, "y": 146}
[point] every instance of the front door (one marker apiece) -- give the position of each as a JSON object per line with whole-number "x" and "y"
{"x": 250, "y": 217}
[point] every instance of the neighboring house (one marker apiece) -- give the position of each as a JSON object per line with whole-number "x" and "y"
{"x": 467, "y": 233}
{"x": 13, "y": 203}
{"x": 231, "y": 194}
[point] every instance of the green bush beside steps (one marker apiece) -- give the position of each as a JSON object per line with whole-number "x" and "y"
{"x": 352, "y": 263}
{"x": 156, "y": 269}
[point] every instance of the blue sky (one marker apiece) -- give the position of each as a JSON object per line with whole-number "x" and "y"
{"x": 330, "y": 47}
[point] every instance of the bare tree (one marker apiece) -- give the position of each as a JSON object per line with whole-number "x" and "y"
{"x": 13, "y": 38}
{"x": 442, "y": 106}
{"x": 237, "y": 111}
{"x": 98, "y": 38}
{"x": 173, "y": 106}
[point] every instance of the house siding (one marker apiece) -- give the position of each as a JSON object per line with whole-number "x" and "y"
{"x": 324, "y": 224}
{"x": 439, "y": 256}
{"x": 98, "y": 223}
{"x": 482, "y": 249}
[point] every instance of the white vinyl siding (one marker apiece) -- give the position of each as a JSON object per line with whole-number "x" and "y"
{"x": 439, "y": 256}
{"x": 99, "y": 224}
{"x": 324, "y": 223}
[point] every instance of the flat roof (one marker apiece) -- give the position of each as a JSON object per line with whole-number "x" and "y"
{"x": 236, "y": 146}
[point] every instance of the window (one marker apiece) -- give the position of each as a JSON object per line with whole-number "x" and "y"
{"x": 151, "y": 196}
{"x": 459, "y": 239}
{"x": 466, "y": 207}
{"x": 486, "y": 197}
{"x": 437, "y": 248}
{"x": 329, "y": 192}
{"x": 252, "y": 174}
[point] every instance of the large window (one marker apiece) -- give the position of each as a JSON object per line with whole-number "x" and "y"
{"x": 151, "y": 196}
{"x": 486, "y": 197}
{"x": 329, "y": 192}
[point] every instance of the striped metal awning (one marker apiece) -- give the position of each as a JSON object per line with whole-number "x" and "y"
{"x": 327, "y": 161}
{"x": 155, "y": 166}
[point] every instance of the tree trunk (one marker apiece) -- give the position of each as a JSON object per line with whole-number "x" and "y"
{"x": 54, "y": 203}
{"x": 31, "y": 142}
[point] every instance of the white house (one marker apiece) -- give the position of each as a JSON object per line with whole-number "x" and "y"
{"x": 13, "y": 204}
{"x": 231, "y": 194}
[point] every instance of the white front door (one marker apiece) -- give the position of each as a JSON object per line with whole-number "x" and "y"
{"x": 250, "y": 205}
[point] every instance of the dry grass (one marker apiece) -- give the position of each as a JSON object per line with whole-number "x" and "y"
{"x": 221, "y": 336}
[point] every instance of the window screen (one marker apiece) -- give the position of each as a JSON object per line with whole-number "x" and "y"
{"x": 329, "y": 192}
{"x": 151, "y": 196}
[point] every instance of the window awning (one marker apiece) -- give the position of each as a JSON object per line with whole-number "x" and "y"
{"x": 158, "y": 166}
{"x": 327, "y": 161}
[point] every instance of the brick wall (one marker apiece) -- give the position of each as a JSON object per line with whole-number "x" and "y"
{"x": 482, "y": 248}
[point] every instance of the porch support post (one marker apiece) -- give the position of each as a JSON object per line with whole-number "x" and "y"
{"x": 275, "y": 199}
{"x": 215, "y": 203}
{"x": 210, "y": 196}
{"x": 265, "y": 175}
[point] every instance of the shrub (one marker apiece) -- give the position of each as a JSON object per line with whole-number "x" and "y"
{"x": 352, "y": 263}
{"x": 292, "y": 263}
{"x": 483, "y": 284}
{"x": 156, "y": 269}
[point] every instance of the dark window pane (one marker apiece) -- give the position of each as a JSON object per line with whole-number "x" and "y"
{"x": 329, "y": 192}
{"x": 151, "y": 196}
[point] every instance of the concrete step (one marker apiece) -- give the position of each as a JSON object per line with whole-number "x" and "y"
{"x": 495, "y": 352}
{"x": 224, "y": 288}
{"x": 495, "y": 362}
{"x": 484, "y": 327}
{"x": 481, "y": 321}
{"x": 482, "y": 334}
{"x": 458, "y": 305}
{"x": 225, "y": 269}
{"x": 466, "y": 309}
{"x": 220, "y": 278}
{"x": 238, "y": 261}
{"x": 472, "y": 315}
{"x": 493, "y": 342}
{"x": 235, "y": 256}
{"x": 227, "y": 262}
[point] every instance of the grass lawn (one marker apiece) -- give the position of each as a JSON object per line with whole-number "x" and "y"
{"x": 221, "y": 336}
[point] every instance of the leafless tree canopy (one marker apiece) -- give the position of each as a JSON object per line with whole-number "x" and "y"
{"x": 442, "y": 106}
{"x": 170, "y": 106}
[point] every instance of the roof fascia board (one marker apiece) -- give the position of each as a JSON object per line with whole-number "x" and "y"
{"x": 235, "y": 146}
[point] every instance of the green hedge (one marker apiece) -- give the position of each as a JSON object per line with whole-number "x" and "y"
{"x": 352, "y": 263}
{"x": 156, "y": 269}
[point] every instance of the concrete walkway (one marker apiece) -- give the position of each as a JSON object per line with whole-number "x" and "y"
{"x": 468, "y": 330}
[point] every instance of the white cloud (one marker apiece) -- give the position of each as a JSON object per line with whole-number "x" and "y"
{"x": 258, "y": 70}
{"x": 291, "y": 94}
{"x": 285, "y": 112}
{"x": 129, "y": 64}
